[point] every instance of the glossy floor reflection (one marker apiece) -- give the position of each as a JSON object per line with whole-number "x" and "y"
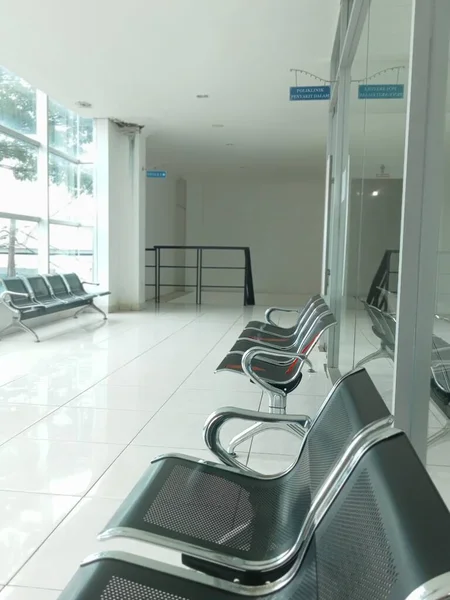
{"x": 83, "y": 413}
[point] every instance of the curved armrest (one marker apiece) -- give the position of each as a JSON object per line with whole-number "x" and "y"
{"x": 269, "y": 311}
{"x": 252, "y": 352}
{"x": 218, "y": 418}
{"x": 89, "y": 283}
{"x": 18, "y": 294}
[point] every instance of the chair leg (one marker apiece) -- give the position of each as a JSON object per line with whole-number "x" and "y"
{"x": 80, "y": 310}
{"x": 381, "y": 353}
{"x": 100, "y": 311}
{"x": 28, "y": 329}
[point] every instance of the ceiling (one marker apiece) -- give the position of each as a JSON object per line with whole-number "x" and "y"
{"x": 146, "y": 61}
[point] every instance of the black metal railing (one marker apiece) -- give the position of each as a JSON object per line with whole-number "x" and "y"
{"x": 247, "y": 287}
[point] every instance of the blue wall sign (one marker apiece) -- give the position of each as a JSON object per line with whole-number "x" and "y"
{"x": 381, "y": 92}
{"x": 305, "y": 92}
{"x": 157, "y": 174}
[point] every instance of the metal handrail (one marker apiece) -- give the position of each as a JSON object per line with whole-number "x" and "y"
{"x": 249, "y": 293}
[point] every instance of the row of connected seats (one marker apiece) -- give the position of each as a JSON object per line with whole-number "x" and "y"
{"x": 273, "y": 357}
{"x": 384, "y": 328}
{"x": 355, "y": 517}
{"x": 40, "y": 295}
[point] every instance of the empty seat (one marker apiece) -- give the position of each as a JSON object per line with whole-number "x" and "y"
{"x": 245, "y": 521}
{"x": 59, "y": 288}
{"x": 384, "y": 536}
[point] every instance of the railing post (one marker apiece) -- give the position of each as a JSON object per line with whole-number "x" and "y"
{"x": 197, "y": 282}
{"x": 157, "y": 275}
{"x": 200, "y": 277}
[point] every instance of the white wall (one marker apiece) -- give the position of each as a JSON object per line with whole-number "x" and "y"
{"x": 165, "y": 225}
{"x": 282, "y": 222}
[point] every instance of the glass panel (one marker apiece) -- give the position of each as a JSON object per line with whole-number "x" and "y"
{"x": 375, "y": 182}
{"x": 18, "y": 247}
{"x": 440, "y": 358}
{"x": 18, "y": 177}
{"x": 71, "y": 250}
{"x": 71, "y": 193}
{"x": 69, "y": 132}
{"x": 17, "y": 103}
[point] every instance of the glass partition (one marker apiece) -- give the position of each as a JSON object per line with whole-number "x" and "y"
{"x": 377, "y": 121}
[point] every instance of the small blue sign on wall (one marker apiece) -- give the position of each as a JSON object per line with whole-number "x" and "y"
{"x": 381, "y": 92}
{"x": 157, "y": 174}
{"x": 305, "y": 92}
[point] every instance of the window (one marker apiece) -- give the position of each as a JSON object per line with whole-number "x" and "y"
{"x": 68, "y": 132}
{"x": 44, "y": 184}
{"x": 18, "y": 176}
{"x": 71, "y": 250}
{"x": 17, "y": 103}
{"x": 18, "y": 247}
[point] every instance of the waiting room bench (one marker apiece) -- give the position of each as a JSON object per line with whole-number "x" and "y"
{"x": 276, "y": 366}
{"x": 376, "y": 527}
{"x": 39, "y": 295}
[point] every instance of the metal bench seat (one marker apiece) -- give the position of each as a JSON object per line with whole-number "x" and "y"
{"x": 34, "y": 296}
{"x": 383, "y": 536}
{"x": 234, "y": 517}
{"x": 76, "y": 287}
{"x": 268, "y": 327}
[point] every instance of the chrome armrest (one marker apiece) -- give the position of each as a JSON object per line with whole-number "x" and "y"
{"x": 89, "y": 283}
{"x": 18, "y": 294}
{"x": 269, "y": 311}
{"x": 252, "y": 352}
{"x": 218, "y": 418}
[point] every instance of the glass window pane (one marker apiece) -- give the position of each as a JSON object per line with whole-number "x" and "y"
{"x": 71, "y": 191}
{"x": 17, "y": 103}
{"x": 18, "y": 247}
{"x": 69, "y": 132}
{"x": 71, "y": 250}
{"x": 18, "y": 177}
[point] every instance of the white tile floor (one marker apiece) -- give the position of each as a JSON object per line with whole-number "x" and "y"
{"x": 83, "y": 413}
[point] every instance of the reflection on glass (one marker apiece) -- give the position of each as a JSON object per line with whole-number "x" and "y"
{"x": 71, "y": 250}
{"x": 18, "y": 247}
{"x": 18, "y": 176}
{"x": 69, "y": 132}
{"x": 71, "y": 191}
{"x": 17, "y": 103}
{"x": 377, "y": 140}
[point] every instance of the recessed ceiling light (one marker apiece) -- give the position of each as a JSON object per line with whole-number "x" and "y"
{"x": 229, "y": 144}
{"x": 218, "y": 125}
{"x": 202, "y": 96}
{"x": 83, "y": 104}
{"x": 376, "y": 193}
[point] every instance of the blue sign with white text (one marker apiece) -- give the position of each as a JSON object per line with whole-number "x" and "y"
{"x": 381, "y": 92}
{"x": 305, "y": 92}
{"x": 157, "y": 174}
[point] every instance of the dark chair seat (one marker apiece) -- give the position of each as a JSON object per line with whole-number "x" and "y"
{"x": 383, "y": 536}
{"x": 240, "y": 516}
{"x": 42, "y": 294}
{"x": 59, "y": 289}
{"x": 77, "y": 289}
{"x": 278, "y": 375}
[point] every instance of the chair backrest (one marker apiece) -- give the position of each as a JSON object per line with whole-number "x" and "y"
{"x": 74, "y": 283}
{"x": 312, "y": 304}
{"x": 385, "y": 534}
{"x": 16, "y": 284}
{"x": 311, "y": 319}
{"x": 40, "y": 290}
{"x": 353, "y": 404}
{"x": 57, "y": 284}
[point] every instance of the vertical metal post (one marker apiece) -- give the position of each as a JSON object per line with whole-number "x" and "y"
{"x": 423, "y": 193}
{"x": 197, "y": 282}
{"x": 157, "y": 275}
{"x": 200, "y": 276}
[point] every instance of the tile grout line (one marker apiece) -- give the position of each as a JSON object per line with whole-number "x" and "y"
{"x": 123, "y": 450}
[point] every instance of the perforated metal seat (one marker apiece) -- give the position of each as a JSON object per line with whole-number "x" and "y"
{"x": 59, "y": 288}
{"x": 247, "y": 520}
{"x": 384, "y": 536}
{"x": 77, "y": 289}
{"x": 42, "y": 294}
